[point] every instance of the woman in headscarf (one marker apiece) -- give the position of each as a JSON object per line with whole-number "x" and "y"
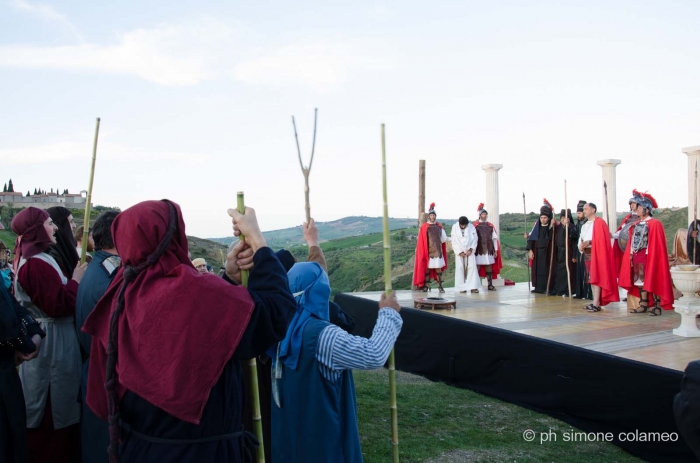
{"x": 52, "y": 381}
{"x": 314, "y": 414}
{"x": 167, "y": 340}
{"x": 20, "y": 338}
{"x": 64, "y": 249}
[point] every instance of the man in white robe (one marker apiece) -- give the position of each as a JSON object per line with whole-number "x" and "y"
{"x": 464, "y": 241}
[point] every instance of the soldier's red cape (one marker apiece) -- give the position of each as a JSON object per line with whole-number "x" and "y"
{"x": 603, "y": 272}
{"x": 421, "y": 264}
{"x": 496, "y": 266}
{"x": 657, "y": 276}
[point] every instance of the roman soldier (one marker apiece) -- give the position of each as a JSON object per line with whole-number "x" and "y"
{"x": 488, "y": 256}
{"x": 645, "y": 262}
{"x": 431, "y": 253}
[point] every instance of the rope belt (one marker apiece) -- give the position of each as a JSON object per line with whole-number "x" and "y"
{"x": 247, "y": 437}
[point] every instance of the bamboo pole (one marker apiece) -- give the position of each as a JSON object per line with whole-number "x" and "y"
{"x": 88, "y": 198}
{"x": 421, "y": 192}
{"x": 387, "y": 288}
{"x": 527, "y": 253}
{"x": 252, "y": 364}
{"x": 566, "y": 237}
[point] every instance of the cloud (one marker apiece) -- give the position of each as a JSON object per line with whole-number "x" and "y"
{"x": 72, "y": 151}
{"x": 47, "y": 13}
{"x": 317, "y": 63}
{"x": 169, "y": 55}
{"x": 205, "y": 49}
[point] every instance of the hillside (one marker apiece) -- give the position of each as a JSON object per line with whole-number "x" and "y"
{"x": 355, "y": 260}
{"x": 337, "y": 229}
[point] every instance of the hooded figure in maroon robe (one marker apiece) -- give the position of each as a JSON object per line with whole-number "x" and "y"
{"x": 167, "y": 341}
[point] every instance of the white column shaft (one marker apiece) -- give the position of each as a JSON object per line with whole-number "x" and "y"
{"x": 609, "y": 209}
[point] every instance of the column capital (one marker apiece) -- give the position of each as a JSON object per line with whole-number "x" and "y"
{"x": 691, "y": 150}
{"x": 492, "y": 166}
{"x": 609, "y": 162}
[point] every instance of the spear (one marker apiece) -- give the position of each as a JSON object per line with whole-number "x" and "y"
{"x": 252, "y": 364}
{"x": 566, "y": 238}
{"x": 527, "y": 259}
{"x": 387, "y": 288}
{"x": 695, "y": 209}
{"x": 306, "y": 170}
{"x": 88, "y": 198}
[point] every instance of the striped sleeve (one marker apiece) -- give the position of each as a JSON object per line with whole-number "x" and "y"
{"x": 338, "y": 350}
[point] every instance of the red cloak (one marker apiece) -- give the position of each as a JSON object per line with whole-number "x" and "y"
{"x": 603, "y": 273}
{"x": 497, "y": 265}
{"x": 422, "y": 256}
{"x": 657, "y": 276}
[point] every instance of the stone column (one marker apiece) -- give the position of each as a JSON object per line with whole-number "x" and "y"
{"x": 491, "y": 204}
{"x": 608, "y": 166}
{"x": 693, "y": 153}
{"x": 491, "y": 200}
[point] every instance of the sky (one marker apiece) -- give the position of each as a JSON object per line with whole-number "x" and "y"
{"x": 196, "y": 99}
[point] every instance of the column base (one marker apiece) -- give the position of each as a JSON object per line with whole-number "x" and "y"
{"x": 689, "y": 310}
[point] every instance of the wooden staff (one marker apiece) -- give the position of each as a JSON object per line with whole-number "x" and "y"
{"x": 306, "y": 170}
{"x": 387, "y": 288}
{"x": 551, "y": 252}
{"x": 252, "y": 364}
{"x": 566, "y": 232}
{"x": 527, "y": 257}
{"x": 88, "y": 198}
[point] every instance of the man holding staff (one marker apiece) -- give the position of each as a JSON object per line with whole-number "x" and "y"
{"x": 167, "y": 321}
{"x": 464, "y": 241}
{"x": 563, "y": 279}
{"x": 540, "y": 247}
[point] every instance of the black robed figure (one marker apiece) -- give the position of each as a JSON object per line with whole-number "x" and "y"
{"x": 540, "y": 244}
{"x": 562, "y": 278}
{"x": 581, "y": 289}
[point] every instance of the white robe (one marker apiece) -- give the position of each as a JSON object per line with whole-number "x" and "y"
{"x": 461, "y": 244}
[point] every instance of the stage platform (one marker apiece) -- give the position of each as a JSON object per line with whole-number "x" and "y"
{"x": 612, "y": 331}
{"x": 609, "y": 371}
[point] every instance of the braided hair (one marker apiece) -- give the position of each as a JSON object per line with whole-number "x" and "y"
{"x": 111, "y": 377}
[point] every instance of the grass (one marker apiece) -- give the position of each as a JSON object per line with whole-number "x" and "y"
{"x": 440, "y": 423}
{"x": 7, "y": 237}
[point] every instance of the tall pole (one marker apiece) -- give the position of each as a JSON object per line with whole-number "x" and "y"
{"x": 607, "y": 205}
{"x": 387, "y": 288}
{"x": 695, "y": 211}
{"x": 421, "y": 191}
{"x": 88, "y": 198}
{"x": 527, "y": 257}
{"x": 252, "y": 364}
{"x": 306, "y": 170}
{"x": 566, "y": 237}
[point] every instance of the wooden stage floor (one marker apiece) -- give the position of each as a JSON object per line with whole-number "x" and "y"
{"x": 612, "y": 331}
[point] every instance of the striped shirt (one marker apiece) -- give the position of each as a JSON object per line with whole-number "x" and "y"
{"x": 338, "y": 350}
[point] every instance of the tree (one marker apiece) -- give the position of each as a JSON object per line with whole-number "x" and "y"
{"x": 35, "y": 191}
{"x": 28, "y": 195}
{"x": 10, "y": 187}
{"x": 4, "y": 188}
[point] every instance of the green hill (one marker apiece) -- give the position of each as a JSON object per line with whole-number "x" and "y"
{"x": 341, "y": 228}
{"x": 354, "y": 248}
